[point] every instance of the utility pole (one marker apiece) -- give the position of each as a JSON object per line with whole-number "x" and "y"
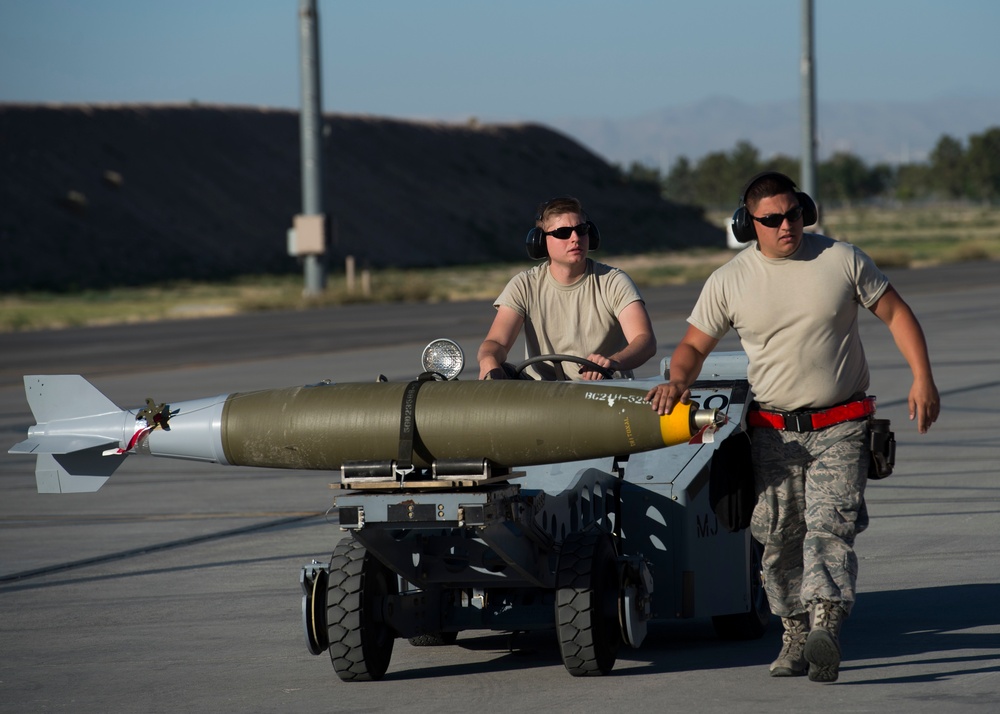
{"x": 808, "y": 103}
{"x": 308, "y": 237}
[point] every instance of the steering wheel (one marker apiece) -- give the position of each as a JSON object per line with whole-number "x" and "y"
{"x": 555, "y": 359}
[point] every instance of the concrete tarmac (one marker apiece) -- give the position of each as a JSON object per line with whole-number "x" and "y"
{"x": 175, "y": 587}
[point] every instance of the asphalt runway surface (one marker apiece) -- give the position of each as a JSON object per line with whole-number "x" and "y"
{"x": 175, "y": 588}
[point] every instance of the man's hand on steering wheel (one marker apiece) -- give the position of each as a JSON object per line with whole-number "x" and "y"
{"x": 597, "y": 371}
{"x": 600, "y": 360}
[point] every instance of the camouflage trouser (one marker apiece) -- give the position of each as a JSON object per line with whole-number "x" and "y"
{"x": 810, "y": 506}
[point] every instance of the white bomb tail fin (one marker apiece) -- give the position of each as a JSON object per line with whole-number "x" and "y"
{"x": 76, "y": 425}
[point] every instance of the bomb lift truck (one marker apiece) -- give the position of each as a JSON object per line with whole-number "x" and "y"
{"x": 593, "y": 549}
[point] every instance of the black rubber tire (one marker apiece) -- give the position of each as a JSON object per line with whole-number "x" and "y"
{"x": 360, "y": 643}
{"x": 753, "y": 624}
{"x": 587, "y": 603}
{"x": 436, "y": 639}
{"x": 314, "y": 615}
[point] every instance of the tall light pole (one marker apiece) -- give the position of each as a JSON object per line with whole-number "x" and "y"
{"x": 310, "y": 227}
{"x": 808, "y": 70}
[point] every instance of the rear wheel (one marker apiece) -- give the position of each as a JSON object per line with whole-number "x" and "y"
{"x": 357, "y": 595}
{"x": 587, "y": 603}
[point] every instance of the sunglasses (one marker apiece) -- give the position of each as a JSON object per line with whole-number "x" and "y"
{"x": 774, "y": 220}
{"x": 564, "y": 233}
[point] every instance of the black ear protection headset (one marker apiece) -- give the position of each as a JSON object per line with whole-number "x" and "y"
{"x": 535, "y": 242}
{"x": 743, "y": 224}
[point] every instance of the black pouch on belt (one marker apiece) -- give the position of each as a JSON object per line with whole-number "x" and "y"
{"x": 883, "y": 448}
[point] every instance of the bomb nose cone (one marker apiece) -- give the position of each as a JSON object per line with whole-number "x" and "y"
{"x": 701, "y": 418}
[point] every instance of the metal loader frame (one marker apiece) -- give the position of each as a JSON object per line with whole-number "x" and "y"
{"x": 593, "y": 549}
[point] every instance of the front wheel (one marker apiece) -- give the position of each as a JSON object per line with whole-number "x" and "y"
{"x": 587, "y": 603}
{"x": 358, "y": 589}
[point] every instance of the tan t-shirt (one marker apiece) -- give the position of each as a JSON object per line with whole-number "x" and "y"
{"x": 797, "y": 319}
{"x": 578, "y": 319}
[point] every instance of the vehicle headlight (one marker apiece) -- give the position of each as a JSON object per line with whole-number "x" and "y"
{"x": 443, "y": 356}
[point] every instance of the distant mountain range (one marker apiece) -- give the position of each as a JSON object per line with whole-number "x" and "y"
{"x": 876, "y": 132}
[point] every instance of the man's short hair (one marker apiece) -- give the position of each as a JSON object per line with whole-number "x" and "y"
{"x": 557, "y": 207}
{"x": 766, "y": 186}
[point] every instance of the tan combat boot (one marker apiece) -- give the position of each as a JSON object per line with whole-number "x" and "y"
{"x": 823, "y": 643}
{"x": 791, "y": 660}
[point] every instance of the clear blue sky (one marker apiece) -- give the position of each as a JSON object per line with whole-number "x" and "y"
{"x": 495, "y": 59}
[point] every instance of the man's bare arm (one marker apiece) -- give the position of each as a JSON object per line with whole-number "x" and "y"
{"x": 924, "y": 400}
{"x": 685, "y": 366}
{"x": 500, "y": 338}
{"x": 638, "y": 331}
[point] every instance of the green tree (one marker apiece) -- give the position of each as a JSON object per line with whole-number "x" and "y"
{"x": 912, "y": 182}
{"x": 679, "y": 184}
{"x": 947, "y": 173}
{"x": 883, "y": 179}
{"x": 713, "y": 182}
{"x": 787, "y": 165}
{"x": 744, "y": 162}
{"x": 639, "y": 172}
{"x": 844, "y": 178}
{"x": 983, "y": 161}
{"x": 719, "y": 177}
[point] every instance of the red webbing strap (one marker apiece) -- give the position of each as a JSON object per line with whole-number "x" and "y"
{"x": 845, "y": 412}
{"x": 818, "y": 420}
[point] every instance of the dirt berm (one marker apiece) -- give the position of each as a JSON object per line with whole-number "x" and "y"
{"x": 98, "y": 196}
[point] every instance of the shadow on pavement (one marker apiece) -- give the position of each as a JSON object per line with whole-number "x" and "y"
{"x": 922, "y": 626}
